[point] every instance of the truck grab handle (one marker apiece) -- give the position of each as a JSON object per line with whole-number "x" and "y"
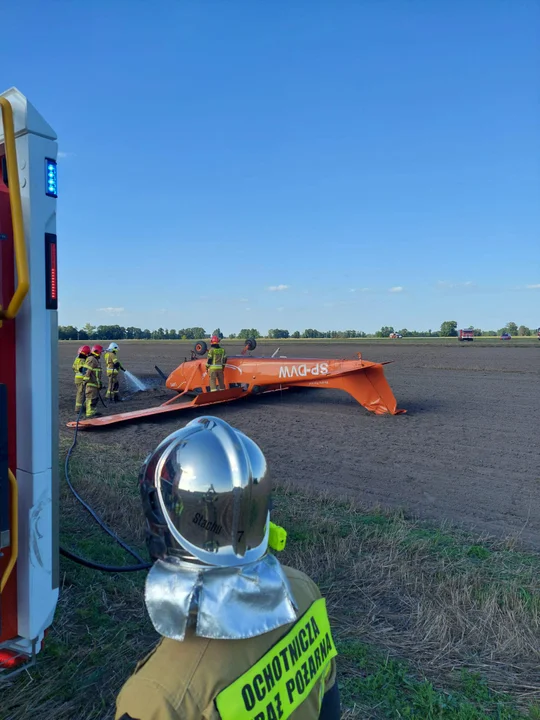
{"x": 19, "y": 243}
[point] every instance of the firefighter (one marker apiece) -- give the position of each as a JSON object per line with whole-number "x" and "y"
{"x": 92, "y": 380}
{"x": 113, "y": 365}
{"x": 82, "y": 353}
{"x": 215, "y": 364}
{"x": 242, "y": 636}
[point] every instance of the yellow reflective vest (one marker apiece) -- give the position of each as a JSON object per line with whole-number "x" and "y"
{"x": 112, "y": 363}
{"x": 216, "y": 358}
{"x": 92, "y": 368}
{"x": 283, "y": 673}
{"x": 78, "y": 364}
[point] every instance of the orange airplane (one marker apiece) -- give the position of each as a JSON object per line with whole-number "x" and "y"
{"x": 244, "y": 376}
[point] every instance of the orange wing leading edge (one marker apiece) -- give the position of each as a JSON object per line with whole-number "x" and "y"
{"x": 246, "y": 375}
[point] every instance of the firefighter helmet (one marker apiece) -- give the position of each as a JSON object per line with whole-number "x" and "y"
{"x": 84, "y": 350}
{"x": 214, "y": 340}
{"x": 97, "y": 349}
{"x": 206, "y": 496}
{"x": 113, "y": 347}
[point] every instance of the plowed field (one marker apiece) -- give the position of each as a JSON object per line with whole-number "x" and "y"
{"x": 468, "y": 449}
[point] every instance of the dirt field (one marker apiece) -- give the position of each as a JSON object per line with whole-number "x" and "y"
{"x": 467, "y": 450}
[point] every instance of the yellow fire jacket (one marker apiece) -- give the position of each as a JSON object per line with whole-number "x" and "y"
{"x": 216, "y": 358}
{"x": 112, "y": 363}
{"x": 92, "y": 368}
{"x": 78, "y": 364}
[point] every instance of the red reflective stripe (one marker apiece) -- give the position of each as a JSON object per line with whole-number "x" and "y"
{"x": 53, "y": 273}
{"x": 51, "y": 270}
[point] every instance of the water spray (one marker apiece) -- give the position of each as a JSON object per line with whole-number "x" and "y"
{"x": 134, "y": 381}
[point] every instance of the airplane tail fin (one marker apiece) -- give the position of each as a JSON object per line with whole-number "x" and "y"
{"x": 370, "y": 388}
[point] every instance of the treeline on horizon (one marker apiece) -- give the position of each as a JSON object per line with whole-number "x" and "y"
{"x": 118, "y": 332}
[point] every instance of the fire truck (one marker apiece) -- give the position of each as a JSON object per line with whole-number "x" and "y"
{"x": 29, "y": 549}
{"x": 466, "y": 335}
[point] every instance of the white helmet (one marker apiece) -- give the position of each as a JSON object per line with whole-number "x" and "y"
{"x": 206, "y": 496}
{"x": 113, "y": 347}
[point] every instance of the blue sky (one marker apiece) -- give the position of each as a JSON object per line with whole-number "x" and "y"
{"x": 272, "y": 163}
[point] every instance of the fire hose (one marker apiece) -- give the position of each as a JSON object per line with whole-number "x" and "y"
{"x": 277, "y": 540}
{"x": 141, "y": 565}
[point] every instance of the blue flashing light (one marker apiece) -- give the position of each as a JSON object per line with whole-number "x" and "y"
{"x": 51, "y": 178}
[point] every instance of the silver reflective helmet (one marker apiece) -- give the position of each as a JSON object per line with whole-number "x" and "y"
{"x": 206, "y": 496}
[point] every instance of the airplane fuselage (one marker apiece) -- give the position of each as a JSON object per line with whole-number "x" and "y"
{"x": 262, "y": 372}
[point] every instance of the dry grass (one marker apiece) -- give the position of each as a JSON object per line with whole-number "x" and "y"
{"x": 462, "y": 613}
{"x": 441, "y": 599}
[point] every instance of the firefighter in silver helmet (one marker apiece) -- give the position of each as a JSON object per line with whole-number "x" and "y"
{"x": 243, "y": 637}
